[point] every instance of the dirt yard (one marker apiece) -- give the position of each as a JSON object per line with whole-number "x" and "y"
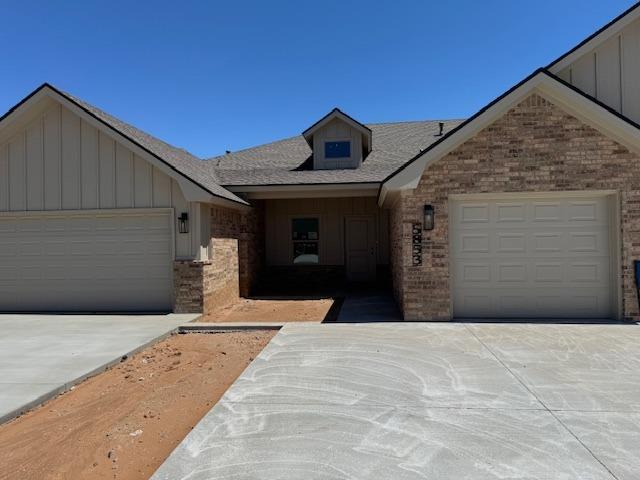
{"x": 277, "y": 310}
{"x": 123, "y": 423}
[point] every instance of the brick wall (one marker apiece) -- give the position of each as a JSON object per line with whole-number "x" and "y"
{"x": 535, "y": 146}
{"x": 188, "y": 287}
{"x": 237, "y": 253}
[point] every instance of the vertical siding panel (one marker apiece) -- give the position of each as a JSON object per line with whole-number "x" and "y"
{"x": 4, "y": 177}
{"x": 183, "y": 240}
{"x": 70, "y": 137}
{"x": 608, "y": 73}
{"x": 52, "y": 158}
{"x": 35, "y": 166}
{"x": 89, "y": 169}
{"x": 17, "y": 180}
{"x": 142, "y": 185}
{"x": 565, "y": 74}
{"x": 583, "y": 74}
{"x": 124, "y": 177}
{"x": 107, "y": 171}
{"x": 631, "y": 71}
{"x": 161, "y": 189}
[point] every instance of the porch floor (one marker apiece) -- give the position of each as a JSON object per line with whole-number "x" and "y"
{"x": 359, "y": 307}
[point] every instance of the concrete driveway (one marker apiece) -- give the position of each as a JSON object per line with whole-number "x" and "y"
{"x": 418, "y": 401}
{"x": 43, "y": 355}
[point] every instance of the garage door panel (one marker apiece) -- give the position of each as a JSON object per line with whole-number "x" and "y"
{"x": 86, "y": 261}
{"x": 514, "y": 243}
{"x": 531, "y": 258}
{"x": 510, "y": 213}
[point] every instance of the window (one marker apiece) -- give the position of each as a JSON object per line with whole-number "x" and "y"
{"x": 337, "y": 149}
{"x": 305, "y": 236}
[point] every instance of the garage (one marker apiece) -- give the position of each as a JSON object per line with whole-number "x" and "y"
{"x": 86, "y": 261}
{"x": 544, "y": 256}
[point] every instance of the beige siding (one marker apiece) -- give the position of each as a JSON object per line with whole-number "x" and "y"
{"x": 331, "y": 213}
{"x": 57, "y": 161}
{"x": 337, "y": 130}
{"x": 611, "y": 72}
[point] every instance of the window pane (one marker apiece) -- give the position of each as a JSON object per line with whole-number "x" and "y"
{"x": 337, "y": 149}
{"x": 305, "y": 252}
{"x": 305, "y": 229}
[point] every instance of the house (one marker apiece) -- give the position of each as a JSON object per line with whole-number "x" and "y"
{"x": 530, "y": 208}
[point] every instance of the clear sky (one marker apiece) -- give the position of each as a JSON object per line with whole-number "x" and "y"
{"x": 211, "y": 75}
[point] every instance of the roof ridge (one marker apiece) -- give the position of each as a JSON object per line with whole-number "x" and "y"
{"x": 418, "y": 121}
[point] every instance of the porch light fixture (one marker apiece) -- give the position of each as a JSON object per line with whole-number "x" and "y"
{"x": 429, "y": 221}
{"x": 183, "y": 222}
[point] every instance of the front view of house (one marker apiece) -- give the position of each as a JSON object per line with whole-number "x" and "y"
{"x": 528, "y": 209}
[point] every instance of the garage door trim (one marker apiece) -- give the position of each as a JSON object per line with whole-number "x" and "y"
{"x": 615, "y": 238}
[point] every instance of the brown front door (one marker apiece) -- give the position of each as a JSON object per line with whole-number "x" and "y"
{"x": 360, "y": 248}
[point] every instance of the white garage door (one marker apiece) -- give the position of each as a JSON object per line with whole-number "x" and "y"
{"x": 86, "y": 262}
{"x": 531, "y": 258}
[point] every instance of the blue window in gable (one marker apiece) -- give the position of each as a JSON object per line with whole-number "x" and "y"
{"x": 337, "y": 149}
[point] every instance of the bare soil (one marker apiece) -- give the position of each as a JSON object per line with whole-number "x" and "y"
{"x": 123, "y": 423}
{"x": 276, "y": 310}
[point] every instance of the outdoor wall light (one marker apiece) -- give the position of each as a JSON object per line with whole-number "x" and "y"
{"x": 183, "y": 222}
{"x": 429, "y": 221}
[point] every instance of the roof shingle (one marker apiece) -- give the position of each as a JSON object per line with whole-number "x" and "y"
{"x": 284, "y": 162}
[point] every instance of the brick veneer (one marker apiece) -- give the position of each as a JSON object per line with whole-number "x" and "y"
{"x": 535, "y": 146}
{"x": 237, "y": 252}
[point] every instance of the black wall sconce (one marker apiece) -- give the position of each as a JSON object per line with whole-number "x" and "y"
{"x": 183, "y": 222}
{"x": 429, "y": 221}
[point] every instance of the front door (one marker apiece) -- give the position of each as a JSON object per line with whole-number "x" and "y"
{"x": 360, "y": 248}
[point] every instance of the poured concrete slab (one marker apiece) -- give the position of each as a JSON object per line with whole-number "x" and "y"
{"x": 363, "y": 308}
{"x": 408, "y": 401}
{"x": 43, "y": 355}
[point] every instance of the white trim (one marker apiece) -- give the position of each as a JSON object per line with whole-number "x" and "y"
{"x": 307, "y": 191}
{"x": 536, "y": 194}
{"x": 308, "y": 133}
{"x": 576, "y": 104}
{"x": 615, "y": 235}
{"x": 191, "y": 190}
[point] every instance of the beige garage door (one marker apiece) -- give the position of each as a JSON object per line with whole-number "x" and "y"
{"x": 86, "y": 262}
{"x": 531, "y": 258}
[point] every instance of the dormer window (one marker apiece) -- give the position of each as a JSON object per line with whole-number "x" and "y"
{"x": 338, "y": 141}
{"x": 337, "y": 149}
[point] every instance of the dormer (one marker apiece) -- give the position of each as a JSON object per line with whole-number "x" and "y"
{"x": 338, "y": 141}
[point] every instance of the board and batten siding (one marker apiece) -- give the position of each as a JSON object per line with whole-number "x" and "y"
{"x": 331, "y": 212}
{"x": 60, "y": 162}
{"x": 337, "y": 130}
{"x": 611, "y": 72}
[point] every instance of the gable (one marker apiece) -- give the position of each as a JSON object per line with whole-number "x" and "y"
{"x": 567, "y": 97}
{"x": 52, "y": 159}
{"x": 337, "y": 131}
{"x": 535, "y": 146}
{"x": 607, "y": 66}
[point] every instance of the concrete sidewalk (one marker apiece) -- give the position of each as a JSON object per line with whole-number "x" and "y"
{"x": 416, "y": 401}
{"x": 43, "y": 355}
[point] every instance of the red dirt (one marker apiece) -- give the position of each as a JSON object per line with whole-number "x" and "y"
{"x": 123, "y": 423}
{"x": 273, "y": 310}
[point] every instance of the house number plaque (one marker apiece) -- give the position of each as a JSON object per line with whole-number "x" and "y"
{"x": 416, "y": 246}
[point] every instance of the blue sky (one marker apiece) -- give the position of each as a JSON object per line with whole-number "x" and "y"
{"x": 210, "y": 76}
